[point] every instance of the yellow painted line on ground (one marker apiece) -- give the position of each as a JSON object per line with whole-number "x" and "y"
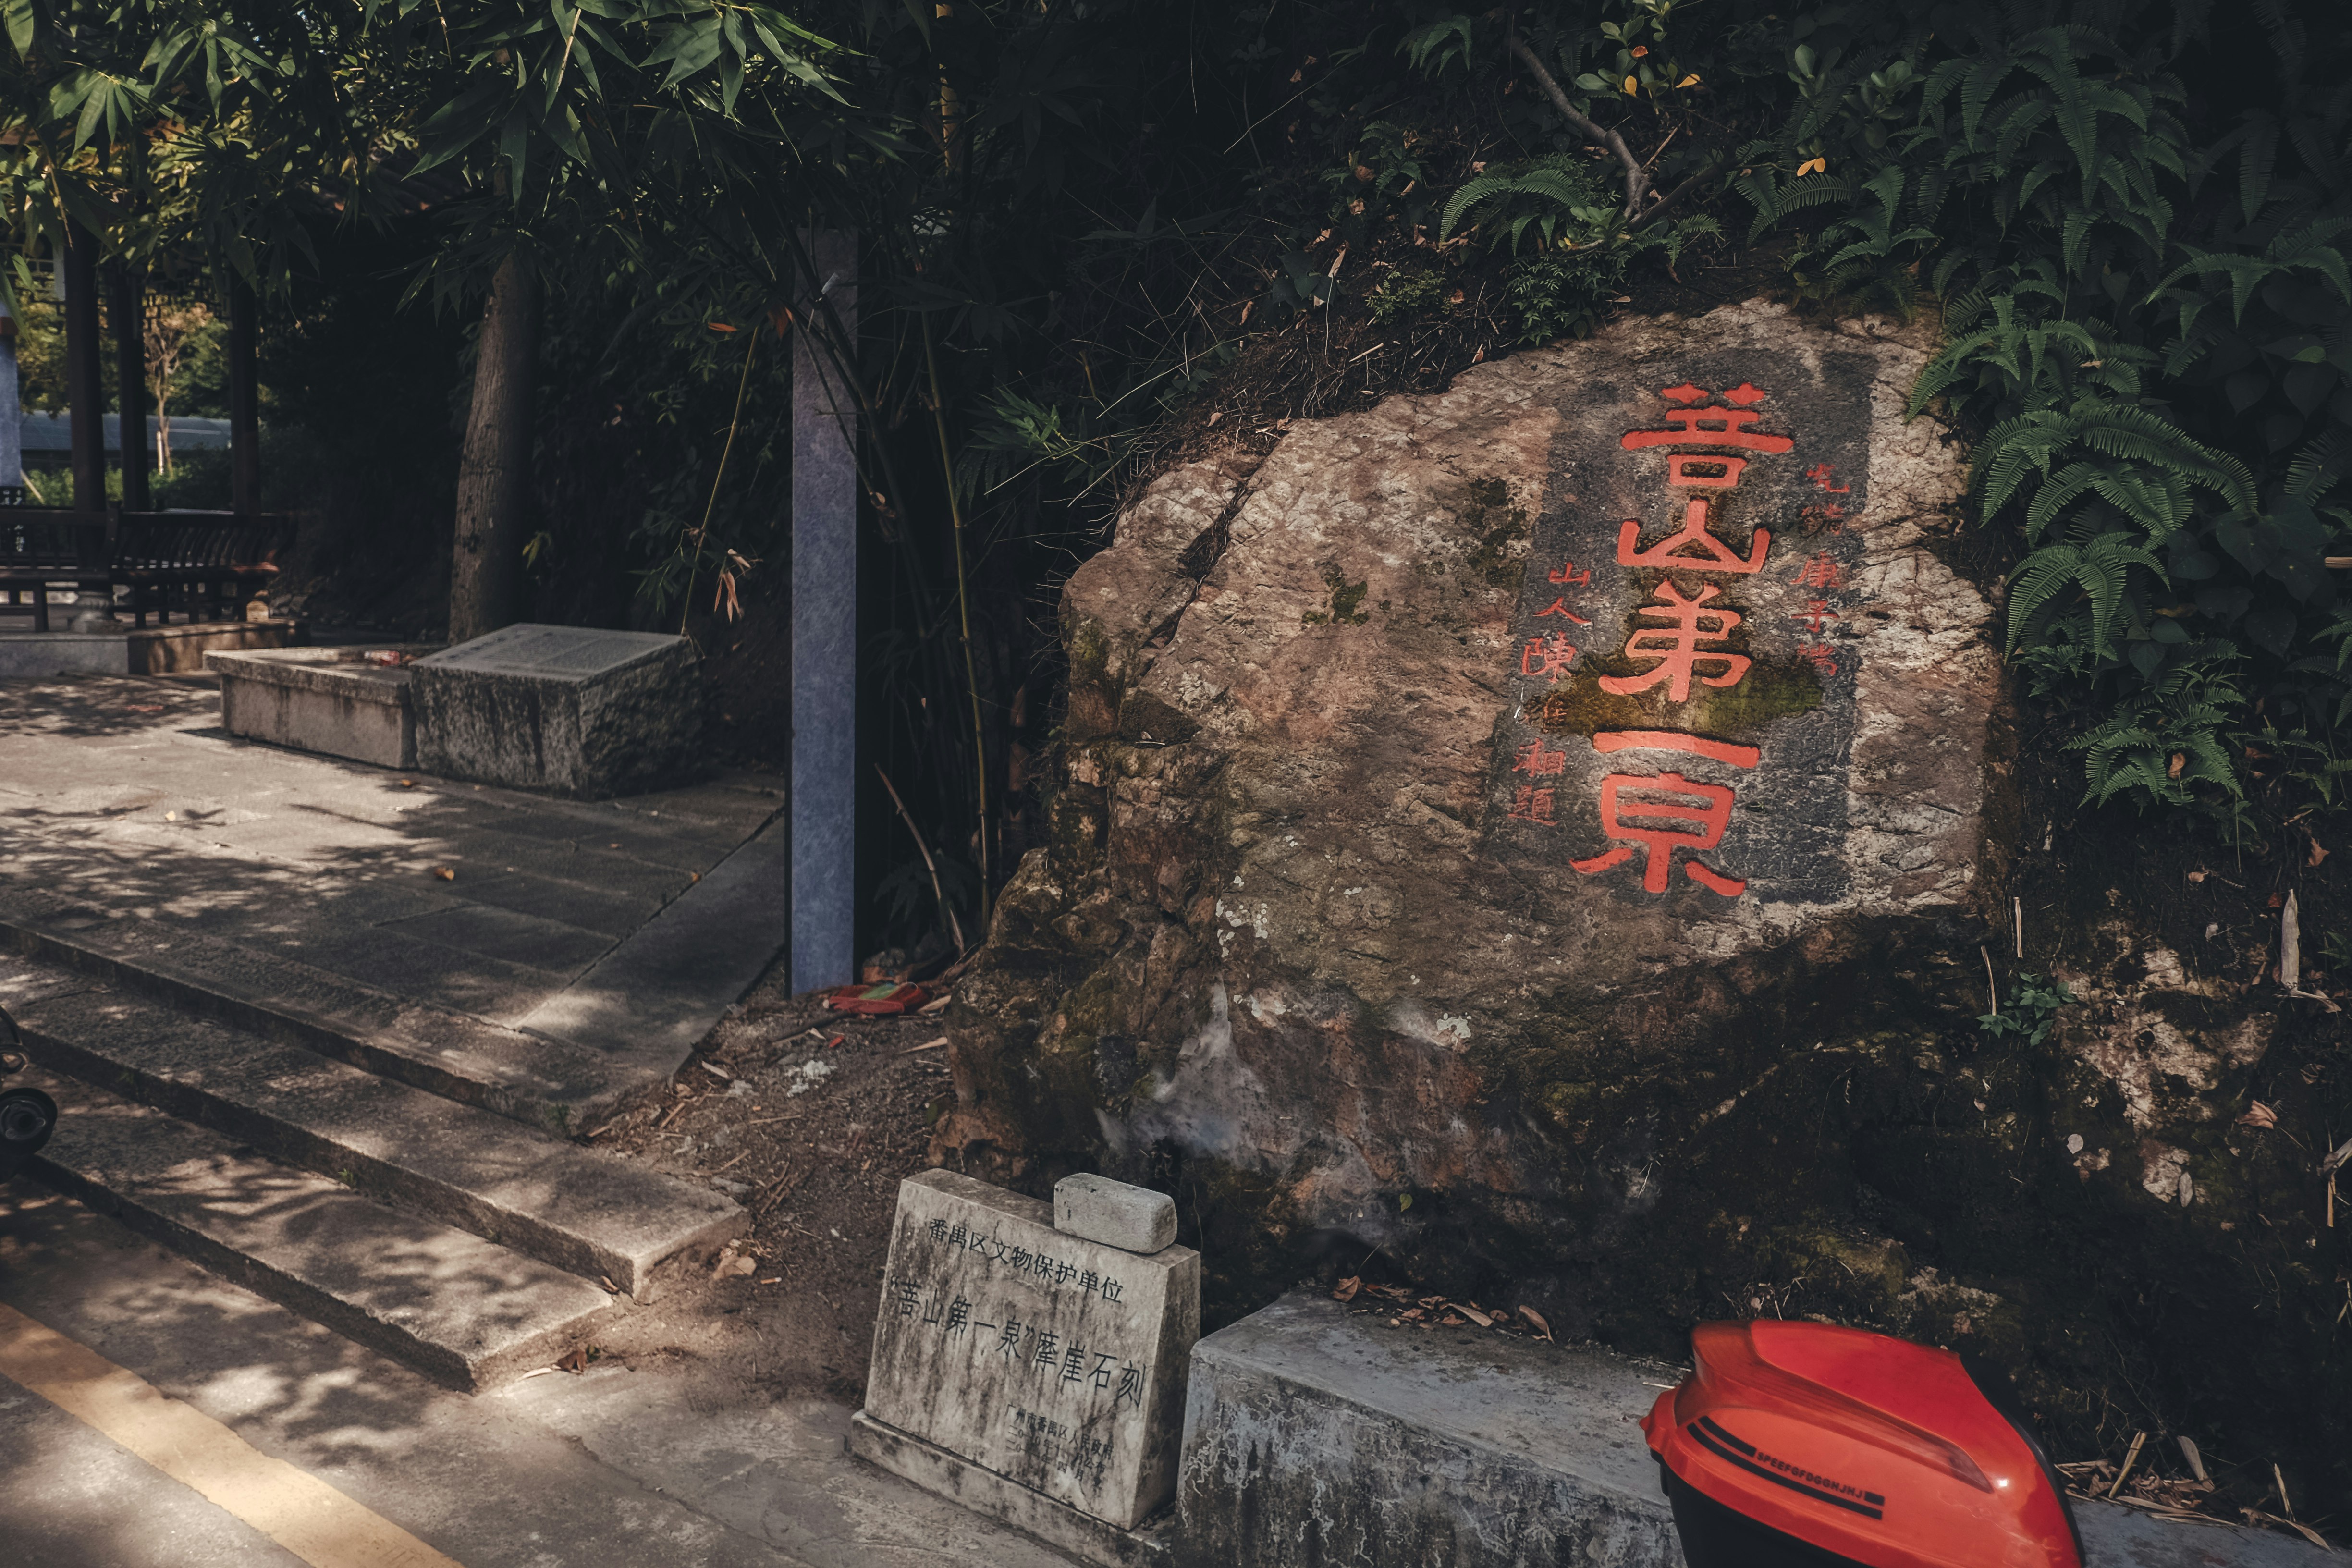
{"x": 298, "y": 1511}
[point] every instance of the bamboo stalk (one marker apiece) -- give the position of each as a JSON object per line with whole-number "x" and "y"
{"x": 963, "y": 612}
{"x": 938, "y": 892}
{"x": 703, "y": 529}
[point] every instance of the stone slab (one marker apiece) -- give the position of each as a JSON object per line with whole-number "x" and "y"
{"x": 1313, "y": 1436}
{"x": 1096, "y": 1208}
{"x": 527, "y": 1077}
{"x": 464, "y": 1311}
{"x": 1056, "y": 1362}
{"x": 581, "y": 1211}
{"x": 571, "y": 709}
{"x": 652, "y": 998}
{"x": 983, "y": 1491}
{"x": 327, "y": 699}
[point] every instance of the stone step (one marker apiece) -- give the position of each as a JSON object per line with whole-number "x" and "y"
{"x": 572, "y": 1207}
{"x": 524, "y": 1075}
{"x": 463, "y": 1310}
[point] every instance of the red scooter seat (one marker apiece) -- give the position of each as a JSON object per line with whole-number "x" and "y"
{"x": 1805, "y": 1444}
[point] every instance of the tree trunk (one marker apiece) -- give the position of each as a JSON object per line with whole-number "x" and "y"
{"x": 244, "y": 397}
{"x": 128, "y": 305}
{"x": 85, "y": 392}
{"x": 494, "y": 474}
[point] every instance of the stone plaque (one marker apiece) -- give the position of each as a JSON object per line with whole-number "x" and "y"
{"x": 1686, "y": 644}
{"x": 574, "y": 709}
{"x": 1054, "y": 1361}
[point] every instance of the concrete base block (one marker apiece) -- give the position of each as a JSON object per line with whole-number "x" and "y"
{"x": 180, "y": 650}
{"x": 36, "y": 656}
{"x": 1315, "y": 1436}
{"x": 985, "y": 1492}
{"x": 156, "y": 650}
{"x": 571, "y": 709}
{"x": 331, "y": 701}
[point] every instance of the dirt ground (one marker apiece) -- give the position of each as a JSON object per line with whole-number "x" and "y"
{"x": 808, "y": 1118}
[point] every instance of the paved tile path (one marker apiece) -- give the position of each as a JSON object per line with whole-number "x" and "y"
{"x": 618, "y": 931}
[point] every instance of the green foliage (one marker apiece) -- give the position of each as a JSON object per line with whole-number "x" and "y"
{"x": 1558, "y": 196}
{"x": 2164, "y": 738}
{"x": 2158, "y": 356}
{"x": 1565, "y": 292}
{"x": 1404, "y": 293}
{"x": 2032, "y": 1007}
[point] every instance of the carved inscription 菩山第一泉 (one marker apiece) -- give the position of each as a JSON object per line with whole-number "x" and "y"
{"x": 1683, "y": 685}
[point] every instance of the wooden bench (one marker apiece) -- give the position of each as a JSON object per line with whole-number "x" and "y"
{"x": 42, "y": 548}
{"x": 207, "y": 564}
{"x": 204, "y": 563}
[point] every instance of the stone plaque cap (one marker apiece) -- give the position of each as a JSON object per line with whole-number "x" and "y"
{"x": 558, "y": 653}
{"x": 1096, "y": 1208}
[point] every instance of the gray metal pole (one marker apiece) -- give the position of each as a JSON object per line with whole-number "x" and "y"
{"x": 824, "y": 629}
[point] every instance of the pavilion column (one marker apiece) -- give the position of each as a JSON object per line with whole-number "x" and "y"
{"x": 127, "y": 303}
{"x": 243, "y": 398}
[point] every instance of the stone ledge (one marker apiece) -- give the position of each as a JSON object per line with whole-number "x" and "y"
{"x": 984, "y": 1491}
{"x": 1315, "y": 1435}
{"x": 328, "y": 700}
{"x": 150, "y": 650}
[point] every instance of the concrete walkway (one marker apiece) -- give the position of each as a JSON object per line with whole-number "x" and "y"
{"x": 619, "y": 1468}
{"x": 535, "y": 955}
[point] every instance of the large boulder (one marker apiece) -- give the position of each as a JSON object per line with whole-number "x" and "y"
{"x": 1466, "y": 866}
{"x": 1466, "y": 802}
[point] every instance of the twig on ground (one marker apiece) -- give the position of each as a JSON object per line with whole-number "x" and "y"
{"x": 2130, "y": 1459}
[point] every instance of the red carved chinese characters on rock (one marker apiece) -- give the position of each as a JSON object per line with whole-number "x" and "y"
{"x": 1676, "y": 651}
{"x": 1684, "y": 637}
{"x": 1667, "y": 800}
